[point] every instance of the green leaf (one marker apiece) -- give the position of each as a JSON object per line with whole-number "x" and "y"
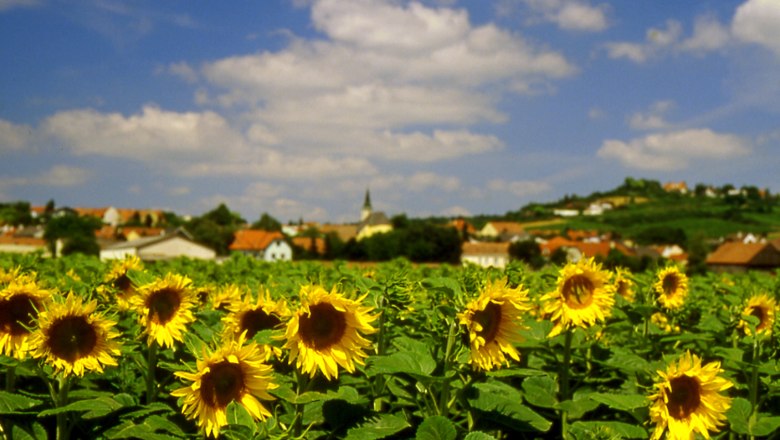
{"x": 381, "y": 427}
{"x": 238, "y": 415}
{"x": 516, "y": 372}
{"x": 477, "y": 435}
{"x": 344, "y": 393}
{"x": 739, "y": 415}
{"x": 401, "y": 362}
{"x": 626, "y": 361}
{"x": 436, "y": 428}
{"x": 607, "y": 430}
{"x": 622, "y": 402}
{"x": 505, "y": 402}
{"x": 764, "y": 426}
{"x": 577, "y": 407}
{"x": 92, "y": 408}
{"x": 540, "y": 391}
{"x": 34, "y": 432}
{"x": 10, "y": 402}
{"x": 132, "y": 430}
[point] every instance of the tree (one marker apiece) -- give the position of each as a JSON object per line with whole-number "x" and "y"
{"x": 267, "y": 223}
{"x": 16, "y": 213}
{"x": 77, "y": 234}
{"x": 527, "y": 251}
{"x": 216, "y": 228}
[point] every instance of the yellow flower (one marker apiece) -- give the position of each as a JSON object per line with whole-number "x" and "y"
{"x": 624, "y": 286}
{"x": 20, "y": 303}
{"x": 119, "y": 284}
{"x": 164, "y": 308}
{"x": 662, "y": 321}
{"x": 6, "y": 276}
{"x": 226, "y": 297}
{"x": 493, "y": 320}
{"x": 73, "y": 338}
{"x": 762, "y": 307}
{"x": 672, "y": 287}
{"x": 235, "y": 372}
{"x": 326, "y": 330}
{"x": 687, "y": 399}
{"x": 583, "y": 296}
{"x": 249, "y": 317}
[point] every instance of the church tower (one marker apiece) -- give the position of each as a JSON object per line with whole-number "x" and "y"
{"x": 366, "y": 211}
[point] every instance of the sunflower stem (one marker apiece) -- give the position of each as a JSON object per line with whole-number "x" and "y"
{"x": 151, "y": 367}
{"x": 304, "y": 382}
{"x": 754, "y": 377}
{"x": 564, "y": 376}
{"x": 61, "y": 400}
{"x": 444, "y": 397}
{"x": 10, "y": 378}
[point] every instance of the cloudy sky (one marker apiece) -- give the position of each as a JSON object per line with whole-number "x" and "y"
{"x": 295, "y": 107}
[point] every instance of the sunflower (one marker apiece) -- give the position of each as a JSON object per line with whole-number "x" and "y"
{"x": 164, "y": 308}
{"x": 20, "y": 303}
{"x": 583, "y": 296}
{"x": 672, "y": 287}
{"x": 118, "y": 281}
{"x": 493, "y": 321}
{"x": 326, "y": 332}
{"x": 688, "y": 399}
{"x": 662, "y": 321}
{"x": 74, "y": 338}
{"x": 6, "y": 276}
{"x": 762, "y": 307}
{"x": 235, "y": 372}
{"x": 250, "y": 317}
{"x": 624, "y": 286}
{"x": 225, "y": 297}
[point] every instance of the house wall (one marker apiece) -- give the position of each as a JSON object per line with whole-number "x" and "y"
{"x": 175, "y": 247}
{"x": 368, "y": 231}
{"x": 117, "y": 254}
{"x": 490, "y": 260}
{"x": 278, "y": 250}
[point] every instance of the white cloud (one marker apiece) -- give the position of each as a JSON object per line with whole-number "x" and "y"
{"x": 596, "y": 113}
{"x": 758, "y": 21}
{"x": 571, "y": 15}
{"x": 653, "y": 119}
{"x": 276, "y": 165}
{"x": 14, "y": 137}
{"x": 674, "y": 150}
{"x": 519, "y": 188}
{"x": 708, "y": 35}
{"x": 456, "y": 211}
{"x": 153, "y": 135}
{"x": 177, "y": 191}
{"x": 183, "y": 71}
{"x": 56, "y": 176}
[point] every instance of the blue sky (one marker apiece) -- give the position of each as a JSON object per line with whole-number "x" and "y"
{"x": 295, "y": 107}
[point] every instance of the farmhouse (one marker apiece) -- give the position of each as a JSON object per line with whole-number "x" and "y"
{"x": 736, "y": 256}
{"x": 485, "y": 254}
{"x": 265, "y": 245}
{"x": 178, "y": 243}
{"x": 504, "y": 231}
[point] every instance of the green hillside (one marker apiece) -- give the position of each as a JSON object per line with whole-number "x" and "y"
{"x": 652, "y": 215}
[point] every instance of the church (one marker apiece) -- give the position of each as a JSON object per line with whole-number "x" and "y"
{"x": 372, "y": 222}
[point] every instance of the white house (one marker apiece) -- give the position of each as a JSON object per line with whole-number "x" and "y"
{"x": 485, "y": 254}
{"x": 266, "y": 245}
{"x": 163, "y": 247}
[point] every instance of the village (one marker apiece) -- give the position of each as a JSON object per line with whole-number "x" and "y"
{"x": 146, "y": 234}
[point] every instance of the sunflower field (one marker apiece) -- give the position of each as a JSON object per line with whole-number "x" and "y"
{"x": 245, "y": 349}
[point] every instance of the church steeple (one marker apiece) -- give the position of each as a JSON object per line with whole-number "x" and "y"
{"x": 366, "y": 211}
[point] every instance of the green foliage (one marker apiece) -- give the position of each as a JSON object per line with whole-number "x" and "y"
{"x": 267, "y": 223}
{"x": 76, "y": 232}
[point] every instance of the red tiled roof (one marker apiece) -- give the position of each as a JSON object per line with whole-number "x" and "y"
{"x": 27, "y": 241}
{"x": 745, "y": 254}
{"x": 254, "y": 239}
{"x": 510, "y": 227}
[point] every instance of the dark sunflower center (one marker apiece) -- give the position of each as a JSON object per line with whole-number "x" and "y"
{"x": 490, "y": 320}
{"x": 223, "y": 384}
{"x": 578, "y": 291}
{"x": 72, "y": 338}
{"x": 684, "y": 397}
{"x": 123, "y": 283}
{"x": 323, "y": 327}
{"x": 18, "y": 314}
{"x": 670, "y": 284}
{"x": 163, "y": 304}
{"x": 622, "y": 288}
{"x": 256, "y": 320}
{"x": 759, "y": 313}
